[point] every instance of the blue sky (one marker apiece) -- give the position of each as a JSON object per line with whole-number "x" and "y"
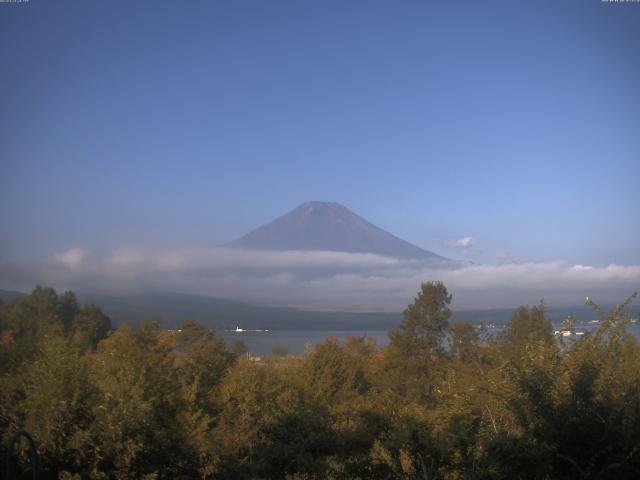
{"x": 129, "y": 124}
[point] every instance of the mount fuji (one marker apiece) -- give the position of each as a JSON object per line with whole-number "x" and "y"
{"x": 330, "y": 226}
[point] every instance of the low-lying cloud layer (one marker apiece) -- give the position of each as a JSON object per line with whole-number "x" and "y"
{"x": 321, "y": 279}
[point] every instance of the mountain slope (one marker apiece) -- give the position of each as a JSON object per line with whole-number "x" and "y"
{"x": 8, "y": 295}
{"x": 172, "y": 308}
{"x": 329, "y": 226}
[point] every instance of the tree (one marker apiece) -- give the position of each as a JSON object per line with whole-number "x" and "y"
{"x": 527, "y": 326}
{"x": 68, "y": 308}
{"x": 251, "y": 396}
{"x": 239, "y": 348}
{"x": 30, "y": 317}
{"x": 336, "y": 374}
{"x": 56, "y": 408}
{"x": 203, "y": 357}
{"x": 137, "y": 427}
{"x": 464, "y": 341}
{"x": 89, "y": 326}
{"x": 280, "y": 350}
{"x": 425, "y": 322}
{"x": 411, "y": 381}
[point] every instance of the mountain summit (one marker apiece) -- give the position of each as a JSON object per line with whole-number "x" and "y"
{"x": 329, "y": 226}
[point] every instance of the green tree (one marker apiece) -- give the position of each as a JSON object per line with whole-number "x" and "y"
{"x": 239, "y": 348}
{"x": 137, "y": 426}
{"x": 68, "y": 308}
{"x": 203, "y": 358}
{"x": 251, "y": 396}
{"x": 528, "y": 326}
{"x": 415, "y": 355}
{"x": 425, "y": 322}
{"x": 56, "y": 407}
{"x": 464, "y": 341}
{"x": 28, "y": 318}
{"x": 89, "y": 326}
{"x": 280, "y": 351}
{"x": 336, "y": 374}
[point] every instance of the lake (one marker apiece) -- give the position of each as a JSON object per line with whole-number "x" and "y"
{"x": 261, "y": 344}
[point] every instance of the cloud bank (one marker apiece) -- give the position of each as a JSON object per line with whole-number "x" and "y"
{"x": 72, "y": 258}
{"x": 322, "y": 279}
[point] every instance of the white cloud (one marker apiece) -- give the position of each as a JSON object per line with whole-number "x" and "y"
{"x": 493, "y": 286}
{"x": 72, "y": 259}
{"x": 125, "y": 261}
{"x": 326, "y": 279}
{"x": 466, "y": 242}
{"x": 582, "y": 267}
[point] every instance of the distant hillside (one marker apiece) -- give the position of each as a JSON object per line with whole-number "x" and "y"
{"x": 502, "y": 316}
{"x": 329, "y": 226}
{"x": 173, "y": 308}
{"x": 8, "y": 295}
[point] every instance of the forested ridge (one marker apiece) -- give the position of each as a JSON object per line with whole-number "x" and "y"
{"x": 441, "y": 401}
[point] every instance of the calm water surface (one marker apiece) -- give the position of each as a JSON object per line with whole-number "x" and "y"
{"x": 261, "y": 344}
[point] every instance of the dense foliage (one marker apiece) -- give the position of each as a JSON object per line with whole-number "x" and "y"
{"x": 441, "y": 401}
